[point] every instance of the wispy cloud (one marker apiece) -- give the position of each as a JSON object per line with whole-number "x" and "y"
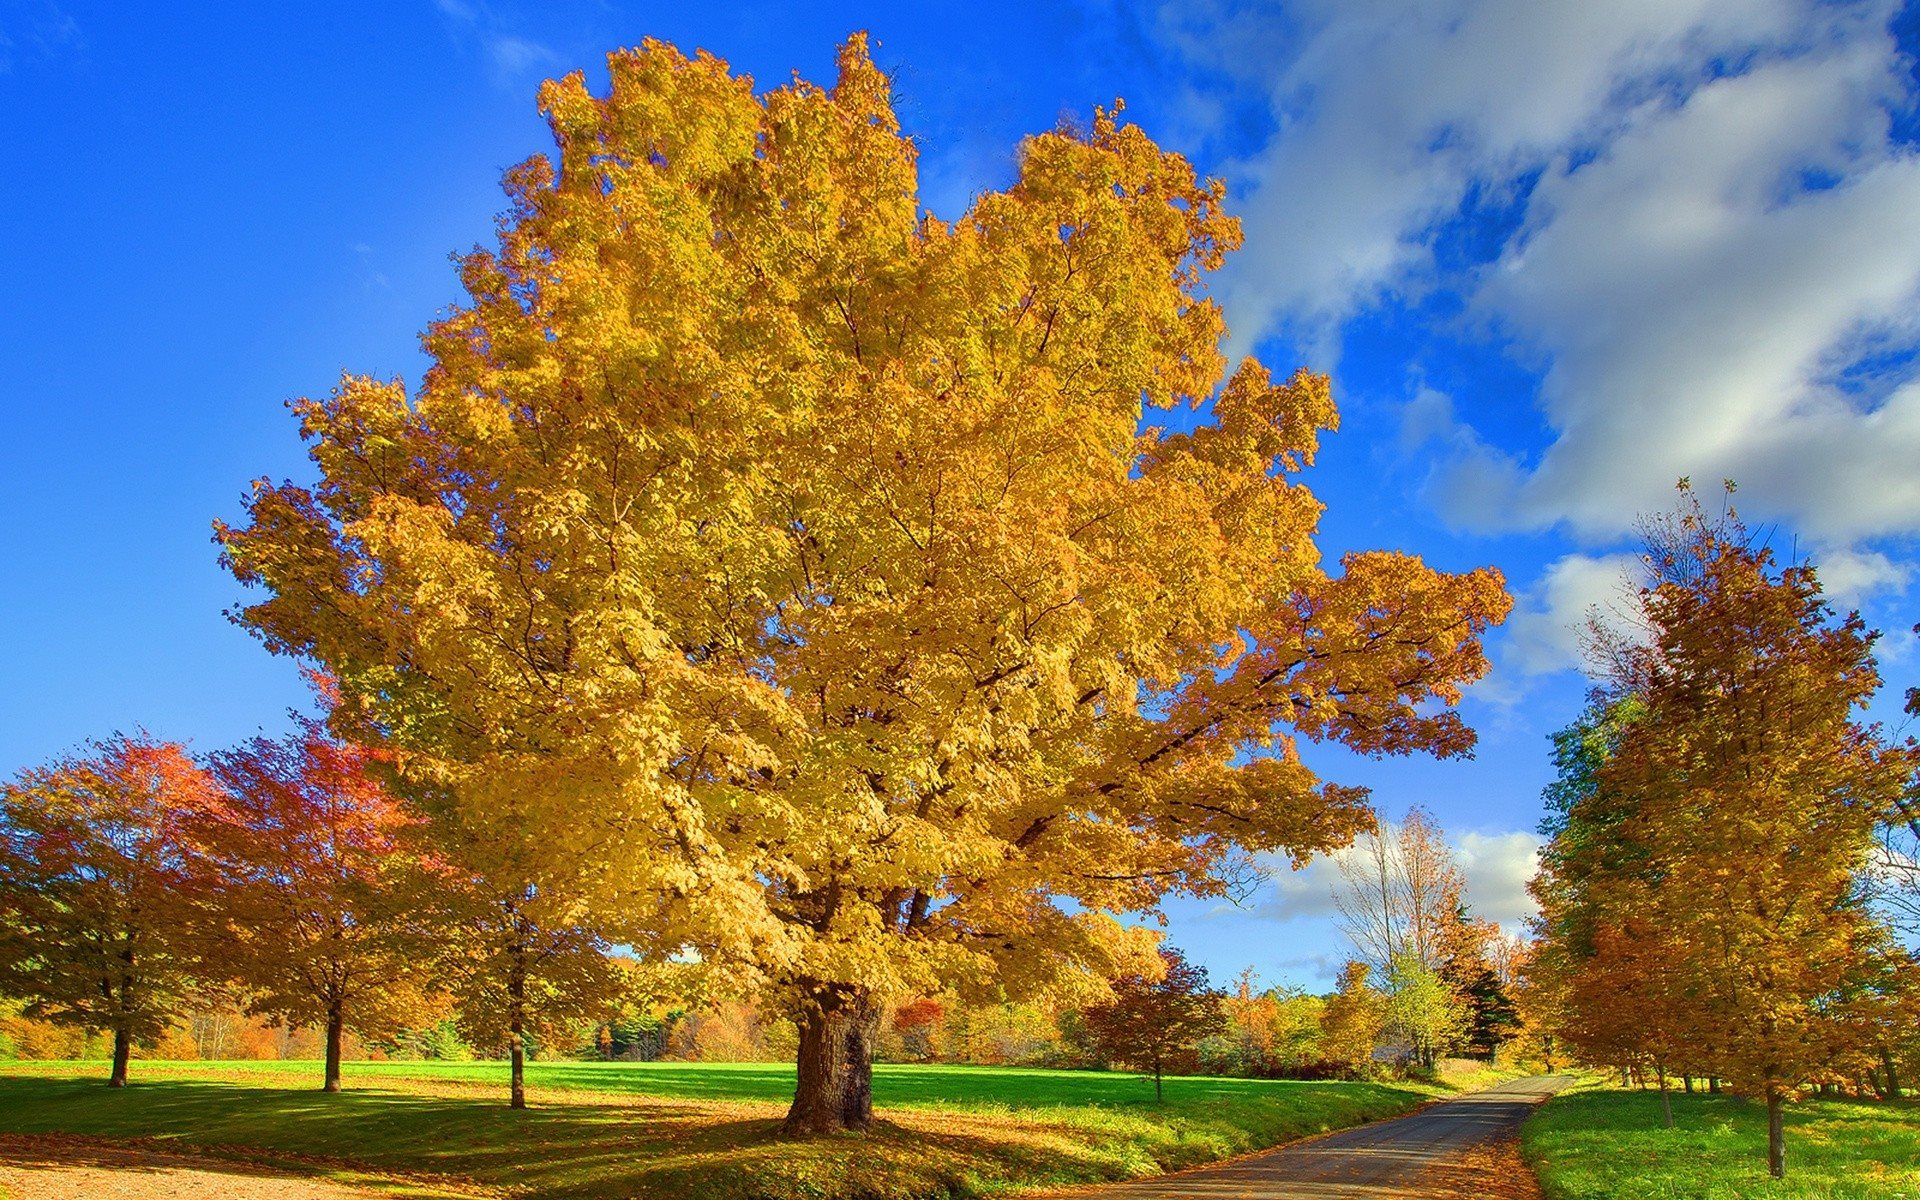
{"x": 510, "y": 57}
{"x": 36, "y": 32}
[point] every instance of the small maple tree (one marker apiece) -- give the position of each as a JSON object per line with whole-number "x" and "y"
{"x": 321, "y": 889}
{"x": 1154, "y": 1023}
{"x": 102, "y": 891}
{"x": 1353, "y": 1021}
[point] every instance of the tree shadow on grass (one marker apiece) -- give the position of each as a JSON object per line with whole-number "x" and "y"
{"x": 578, "y": 1148}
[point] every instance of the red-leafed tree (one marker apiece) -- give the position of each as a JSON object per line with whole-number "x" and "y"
{"x": 321, "y": 887}
{"x": 1154, "y": 1024}
{"x": 100, "y": 888}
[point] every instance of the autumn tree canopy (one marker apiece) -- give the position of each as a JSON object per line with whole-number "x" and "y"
{"x": 102, "y": 891}
{"x": 815, "y": 577}
{"x": 1701, "y": 894}
{"x": 1155, "y": 1021}
{"x": 321, "y": 888}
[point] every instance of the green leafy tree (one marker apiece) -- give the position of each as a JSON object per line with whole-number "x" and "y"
{"x": 1424, "y": 1009}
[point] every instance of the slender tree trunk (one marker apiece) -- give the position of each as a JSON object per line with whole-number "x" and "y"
{"x": 834, "y": 1092}
{"x": 1713, "y": 1085}
{"x": 1686, "y": 1081}
{"x": 1776, "y": 1131}
{"x": 1666, "y": 1097}
{"x": 336, "y": 1026}
{"x": 517, "y": 1029}
{"x": 1159, "y": 1097}
{"x": 1893, "y": 1076}
{"x": 122, "y": 1052}
{"x": 123, "y": 1034}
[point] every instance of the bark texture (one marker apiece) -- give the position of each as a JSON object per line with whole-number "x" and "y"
{"x": 517, "y": 1030}
{"x": 336, "y": 1027}
{"x": 122, "y": 1052}
{"x": 835, "y": 1089}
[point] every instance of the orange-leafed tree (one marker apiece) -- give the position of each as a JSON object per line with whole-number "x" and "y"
{"x": 1155, "y": 1021}
{"x": 1353, "y": 1021}
{"x": 102, "y": 891}
{"x": 818, "y": 573}
{"x": 1733, "y": 814}
{"x": 323, "y": 892}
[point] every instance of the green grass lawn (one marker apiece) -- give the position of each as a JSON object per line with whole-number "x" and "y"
{"x": 1590, "y": 1144}
{"x": 685, "y": 1130}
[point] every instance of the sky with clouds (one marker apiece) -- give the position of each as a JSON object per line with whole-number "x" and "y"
{"x": 1554, "y": 255}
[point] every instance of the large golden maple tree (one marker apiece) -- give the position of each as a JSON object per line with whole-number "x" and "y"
{"x": 799, "y": 571}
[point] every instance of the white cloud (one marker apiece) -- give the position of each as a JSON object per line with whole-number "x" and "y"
{"x": 1716, "y": 257}
{"x": 1696, "y": 297}
{"x": 1849, "y": 576}
{"x": 1548, "y": 626}
{"x": 512, "y": 57}
{"x": 1496, "y": 865}
{"x": 516, "y": 56}
{"x": 1301, "y": 893}
{"x": 1390, "y": 115}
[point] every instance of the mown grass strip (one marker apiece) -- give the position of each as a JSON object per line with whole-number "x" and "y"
{"x": 1613, "y": 1144}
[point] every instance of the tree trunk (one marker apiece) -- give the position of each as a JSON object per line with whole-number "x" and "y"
{"x": 1776, "y": 1132}
{"x": 1893, "y": 1077}
{"x": 517, "y": 1029}
{"x": 1666, "y": 1098}
{"x": 1159, "y": 1097}
{"x": 123, "y": 1034}
{"x": 835, "y": 1089}
{"x": 1686, "y": 1081}
{"x": 122, "y": 1052}
{"x": 1713, "y": 1085}
{"x": 336, "y": 1026}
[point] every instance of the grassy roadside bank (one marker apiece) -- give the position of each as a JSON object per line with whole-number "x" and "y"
{"x": 679, "y": 1130}
{"x": 1600, "y": 1143}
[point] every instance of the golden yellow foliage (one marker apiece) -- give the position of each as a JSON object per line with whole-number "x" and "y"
{"x": 794, "y": 572}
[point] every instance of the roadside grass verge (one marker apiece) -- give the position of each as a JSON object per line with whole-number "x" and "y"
{"x": 685, "y": 1130}
{"x": 1607, "y": 1142}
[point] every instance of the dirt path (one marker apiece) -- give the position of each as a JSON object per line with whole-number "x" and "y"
{"x": 1458, "y": 1148}
{"x": 53, "y": 1168}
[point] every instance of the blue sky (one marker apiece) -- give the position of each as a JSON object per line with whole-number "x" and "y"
{"x": 1555, "y": 256}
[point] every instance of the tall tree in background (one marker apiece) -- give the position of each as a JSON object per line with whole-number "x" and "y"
{"x": 1155, "y": 1023}
{"x": 321, "y": 890}
{"x": 1400, "y": 895}
{"x": 1598, "y": 960}
{"x": 1489, "y": 1018}
{"x": 1734, "y": 813}
{"x": 101, "y": 888}
{"x": 800, "y": 564}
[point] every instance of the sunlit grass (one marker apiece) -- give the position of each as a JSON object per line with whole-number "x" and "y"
{"x": 1613, "y": 1143}
{"x": 690, "y": 1130}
